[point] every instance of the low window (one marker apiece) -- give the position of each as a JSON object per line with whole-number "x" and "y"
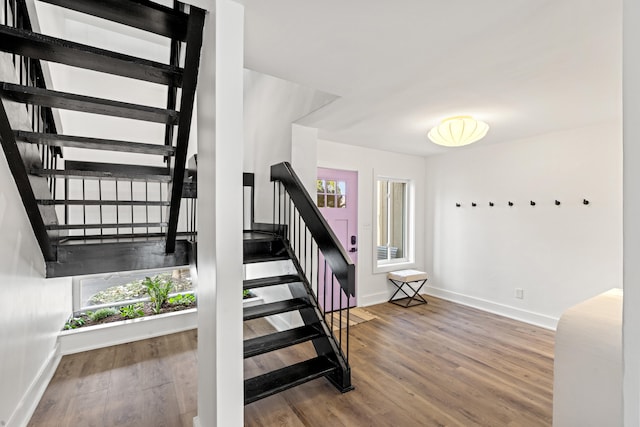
{"x": 117, "y": 289}
{"x": 392, "y": 224}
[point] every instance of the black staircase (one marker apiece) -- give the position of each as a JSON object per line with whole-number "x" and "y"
{"x": 91, "y": 217}
{"x": 300, "y": 235}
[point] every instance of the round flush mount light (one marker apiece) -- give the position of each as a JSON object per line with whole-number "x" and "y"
{"x": 458, "y": 131}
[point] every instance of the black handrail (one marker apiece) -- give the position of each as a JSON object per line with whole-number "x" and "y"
{"x": 333, "y": 252}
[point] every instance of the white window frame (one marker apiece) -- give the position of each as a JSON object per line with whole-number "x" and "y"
{"x": 383, "y": 266}
{"x": 76, "y": 287}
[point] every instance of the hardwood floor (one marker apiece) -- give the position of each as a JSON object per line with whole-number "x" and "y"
{"x": 147, "y": 383}
{"x": 440, "y": 364}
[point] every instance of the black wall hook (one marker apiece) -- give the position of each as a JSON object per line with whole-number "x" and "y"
{"x": 473, "y": 204}
{"x": 457, "y": 205}
{"x": 557, "y": 202}
{"x": 533, "y": 203}
{"x": 510, "y": 203}
{"x": 585, "y": 202}
{"x": 490, "y": 203}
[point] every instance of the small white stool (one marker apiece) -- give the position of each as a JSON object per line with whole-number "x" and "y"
{"x": 402, "y": 278}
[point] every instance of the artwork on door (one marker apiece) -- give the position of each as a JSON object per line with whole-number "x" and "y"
{"x": 337, "y": 198}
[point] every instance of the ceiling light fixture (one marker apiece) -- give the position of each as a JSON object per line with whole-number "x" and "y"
{"x": 458, "y": 131}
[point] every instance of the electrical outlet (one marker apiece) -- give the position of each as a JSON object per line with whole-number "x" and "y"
{"x": 519, "y": 293}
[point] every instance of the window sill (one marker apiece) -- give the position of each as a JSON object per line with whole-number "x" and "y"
{"x": 393, "y": 267}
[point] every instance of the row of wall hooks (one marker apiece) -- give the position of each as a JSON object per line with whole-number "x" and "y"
{"x": 531, "y": 202}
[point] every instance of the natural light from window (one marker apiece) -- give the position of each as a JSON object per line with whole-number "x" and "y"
{"x": 392, "y": 243}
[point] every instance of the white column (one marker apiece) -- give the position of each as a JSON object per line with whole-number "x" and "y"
{"x": 304, "y": 155}
{"x": 631, "y": 212}
{"x": 220, "y": 141}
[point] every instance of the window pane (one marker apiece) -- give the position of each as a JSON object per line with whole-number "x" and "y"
{"x": 331, "y": 201}
{"x": 382, "y": 214}
{"x": 320, "y": 186}
{"x": 119, "y": 288}
{"x": 331, "y": 187}
{"x": 342, "y": 201}
{"x": 391, "y": 223}
{"x": 321, "y": 200}
{"x": 397, "y": 225}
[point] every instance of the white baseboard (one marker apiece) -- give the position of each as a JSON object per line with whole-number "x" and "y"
{"x": 196, "y": 422}
{"x": 29, "y": 402}
{"x": 367, "y": 300}
{"x": 530, "y": 317}
{"x": 100, "y": 336}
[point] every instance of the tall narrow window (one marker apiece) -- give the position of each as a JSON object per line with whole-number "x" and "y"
{"x": 392, "y": 221}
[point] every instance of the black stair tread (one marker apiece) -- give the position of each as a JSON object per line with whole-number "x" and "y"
{"x": 81, "y": 259}
{"x": 87, "y": 104}
{"x": 98, "y": 175}
{"x": 95, "y": 226}
{"x": 58, "y": 140}
{"x": 142, "y": 14}
{"x": 255, "y": 258}
{"x": 259, "y": 236}
{"x": 273, "y": 382}
{"x": 107, "y": 171}
{"x": 278, "y": 340}
{"x": 105, "y": 238}
{"x": 40, "y": 46}
{"x": 270, "y": 281}
{"x": 103, "y": 202}
{"x": 272, "y": 308}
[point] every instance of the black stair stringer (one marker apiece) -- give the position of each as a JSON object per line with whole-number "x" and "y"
{"x": 326, "y": 346}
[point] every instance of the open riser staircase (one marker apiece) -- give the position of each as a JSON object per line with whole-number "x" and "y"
{"x": 88, "y": 216}
{"x": 319, "y": 266}
{"x": 95, "y": 217}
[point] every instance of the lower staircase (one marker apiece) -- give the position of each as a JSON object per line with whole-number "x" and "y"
{"x": 330, "y": 362}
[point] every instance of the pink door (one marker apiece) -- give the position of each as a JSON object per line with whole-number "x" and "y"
{"x": 337, "y": 198}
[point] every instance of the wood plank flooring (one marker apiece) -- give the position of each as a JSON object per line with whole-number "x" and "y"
{"x": 440, "y": 364}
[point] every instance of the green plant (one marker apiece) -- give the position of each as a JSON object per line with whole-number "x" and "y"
{"x": 247, "y": 294}
{"x": 132, "y": 311}
{"x": 101, "y": 313}
{"x": 74, "y": 322}
{"x": 158, "y": 291}
{"x": 186, "y": 299}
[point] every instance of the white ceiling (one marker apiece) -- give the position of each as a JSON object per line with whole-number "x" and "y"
{"x": 527, "y": 67}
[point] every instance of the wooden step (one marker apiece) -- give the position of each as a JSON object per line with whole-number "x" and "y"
{"x": 104, "y": 226}
{"x": 142, "y": 14}
{"x": 256, "y": 258}
{"x": 263, "y": 247}
{"x": 272, "y": 308}
{"x": 58, "y": 140}
{"x": 48, "y": 202}
{"x": 264, "y": 344}
{"x": 87, "y": 104}
{"x": 270, "y": 281}
{"x": 98, "y": 239}
{"x": 89, "y": 170}
{"x": 273, "y": 382}
{"x": 40, "y": 46}
{"x": 81, "y": 259}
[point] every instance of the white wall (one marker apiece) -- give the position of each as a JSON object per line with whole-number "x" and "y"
{"x": 272, "y": 105}
{"x": 34, "y": 309}
{"x": 558, "y": 255}
{"x": 373, "y": 288}
{"x": 631, "y": 320}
